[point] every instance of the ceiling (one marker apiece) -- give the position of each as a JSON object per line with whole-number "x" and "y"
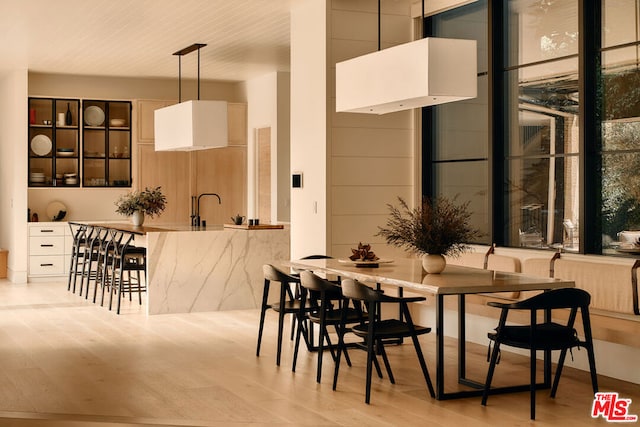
{"x": 137, "y": 38}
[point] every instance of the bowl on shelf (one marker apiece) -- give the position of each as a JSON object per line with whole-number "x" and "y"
{"x": 117, "y": 122}
{"x": 65, "y": 152}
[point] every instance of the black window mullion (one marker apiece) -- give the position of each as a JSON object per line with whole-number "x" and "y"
{"x": 497, "y": 124}
{"x": 590, "y": 83}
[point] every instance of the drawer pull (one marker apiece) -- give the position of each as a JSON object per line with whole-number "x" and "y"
{"x": 46, "y": 265}
{"x": 46, "y": 245}
{"x": 46, "y": 231}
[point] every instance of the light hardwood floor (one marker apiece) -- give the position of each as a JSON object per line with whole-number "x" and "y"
{"x": 67, "y": 362}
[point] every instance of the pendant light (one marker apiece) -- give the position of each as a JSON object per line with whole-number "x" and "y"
{"x": 425, "y": 72}
{"x": 190, "y": 125}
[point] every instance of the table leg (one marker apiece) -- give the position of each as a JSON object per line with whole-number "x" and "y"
{"x": 439, "y": 347}
{"x": 462, "y": 339}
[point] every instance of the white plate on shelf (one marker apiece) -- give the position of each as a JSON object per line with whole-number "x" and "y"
{"x": 54, "y": 210}
{"x": 93, "y": 116}
{"x": 41, "y": 145}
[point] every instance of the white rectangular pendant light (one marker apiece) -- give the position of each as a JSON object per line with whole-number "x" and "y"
{"x": 191, "y": 125}
{"x": 424, "y": 72}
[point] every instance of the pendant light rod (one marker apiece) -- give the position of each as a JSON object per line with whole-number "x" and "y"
{"x": 180, "y": 54}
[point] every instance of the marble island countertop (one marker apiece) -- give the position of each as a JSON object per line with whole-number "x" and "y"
{"x": 178, "y": 227}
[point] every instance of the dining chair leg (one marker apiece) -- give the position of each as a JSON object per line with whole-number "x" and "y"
{"x": 370, "y": 357}
{"x": 263, "y": 311}
{"x": 532, "y": 386}
{"x": 385, "y": 359}
{"x": 281, "y": 314}
{"x": 492, "y": 367}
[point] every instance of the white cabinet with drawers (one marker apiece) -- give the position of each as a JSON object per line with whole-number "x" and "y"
{"x": 50, "y": 246}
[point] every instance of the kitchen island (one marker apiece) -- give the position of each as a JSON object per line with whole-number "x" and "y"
{"x": 191, "y": 269}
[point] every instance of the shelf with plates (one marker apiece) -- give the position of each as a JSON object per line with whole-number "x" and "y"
{"x": 54, "y": 143}
{"x": 106, "y": 134}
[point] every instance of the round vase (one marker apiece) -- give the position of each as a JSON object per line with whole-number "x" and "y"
{"x": 137, "y": 218}
{"x": 433, "y": 263}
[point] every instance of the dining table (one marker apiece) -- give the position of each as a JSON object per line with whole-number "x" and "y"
{"x": 454, "y": 281}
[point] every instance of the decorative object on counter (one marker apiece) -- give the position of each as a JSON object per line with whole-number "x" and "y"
{"x": 238, "y": 219}
{"x": 137, "y": 204}
{"x": 34, "y": 217}
{"x": 363, "y": 253}
{"x": 68, "y": 119}
{"x": 436, "y": 228}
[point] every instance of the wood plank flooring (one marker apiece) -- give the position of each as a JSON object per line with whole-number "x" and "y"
{"x": 67, "y": 362}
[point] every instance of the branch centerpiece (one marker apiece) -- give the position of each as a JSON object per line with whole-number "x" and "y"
{"x": 137, "y": 204}
{"x": 435, "y": 228}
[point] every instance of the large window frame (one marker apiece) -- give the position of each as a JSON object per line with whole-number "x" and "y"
{"x": 590, "y": 83}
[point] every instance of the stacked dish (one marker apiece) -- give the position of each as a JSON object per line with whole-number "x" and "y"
{"x": 70, "y": 178}
{"x": 117, "y": 122}
{"x": 37, "y": 178}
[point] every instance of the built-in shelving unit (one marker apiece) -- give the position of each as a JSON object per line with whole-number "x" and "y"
{"x": 54, "y": 146}
{"x": 75, "y": 143}
{"x": 106, "y": 136}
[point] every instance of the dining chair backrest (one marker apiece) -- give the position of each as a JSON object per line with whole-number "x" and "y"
{"x": 272, "y": 273}
{"x": 555, "y": 299}
{"x": 358, "y": 291}
{"x": 313, "y": 282}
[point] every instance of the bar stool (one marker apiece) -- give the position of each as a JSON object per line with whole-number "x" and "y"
{"x": 121, "y": 256}
{"x": 78, "y": 232}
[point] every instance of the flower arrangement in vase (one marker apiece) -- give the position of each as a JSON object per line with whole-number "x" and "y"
{"x": 435, "y": 228}
{"x": 137, "y": 204}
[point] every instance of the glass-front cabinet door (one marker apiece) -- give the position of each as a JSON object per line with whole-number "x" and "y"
{"x": 54, "y": 145}
{"x": 106, "y": 132}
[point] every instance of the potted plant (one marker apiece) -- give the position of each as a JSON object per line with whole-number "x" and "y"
{"x": 436, "y": 228}
{"x": 137, "y": 204}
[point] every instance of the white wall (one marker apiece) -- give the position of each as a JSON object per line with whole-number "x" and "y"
{"x": 309, "y": 110}
{"x": 268, "y": 105}
{"x": 13, "y": 171}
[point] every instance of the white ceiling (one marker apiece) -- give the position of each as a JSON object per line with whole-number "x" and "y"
{"x": 245, "y": 38}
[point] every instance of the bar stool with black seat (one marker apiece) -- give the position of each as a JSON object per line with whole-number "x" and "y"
{"x": 546, "y": 336}
{"x": 288, "y": 303}
{"x": 327, "y": 307}
{"x": 78, "y": 233}
{"x": 376, "y": 330}
{"x": 125, "y": 258}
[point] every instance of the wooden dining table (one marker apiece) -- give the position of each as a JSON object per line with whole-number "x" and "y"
{"x": 455, "y": 281}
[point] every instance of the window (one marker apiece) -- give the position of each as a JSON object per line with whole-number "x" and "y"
{"x": 523, "y": 174}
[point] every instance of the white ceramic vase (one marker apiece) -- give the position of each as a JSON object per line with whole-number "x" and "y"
{"x": 433, "y": 263}
{"x": 137, "y": 218}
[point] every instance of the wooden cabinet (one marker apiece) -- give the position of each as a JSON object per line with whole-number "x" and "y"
{"x": 185, "y": 174}
{"x": 222, "y": 171}
{"x": 106, "y": 136}
{"x": 54, "y": 145}
{"x": 50, "y": 246}
{"x": 237, "y": 123}
{"x": 146, "y": 110}
{"x": 171, "y": 171}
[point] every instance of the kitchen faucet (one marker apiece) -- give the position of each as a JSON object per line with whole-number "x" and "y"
{"x": 195, "y": 207}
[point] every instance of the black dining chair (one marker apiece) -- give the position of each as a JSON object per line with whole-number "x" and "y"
{"x": 324, "y": 305}
{"x": 546, "y": 336}
{"x": 288, "y": 303}
{"x": 376, "y": 331}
